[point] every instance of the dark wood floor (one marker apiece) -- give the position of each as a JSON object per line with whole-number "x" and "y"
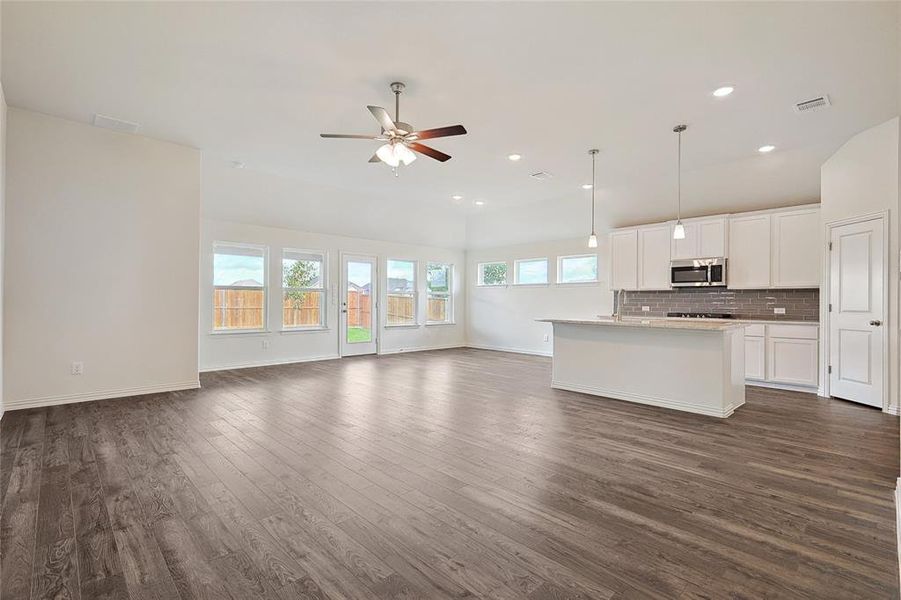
{"x": 443, "y": 474}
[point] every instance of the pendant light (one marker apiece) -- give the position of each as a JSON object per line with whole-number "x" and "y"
{"x": 593, "y": 238}
{"x": 679, "y": 229}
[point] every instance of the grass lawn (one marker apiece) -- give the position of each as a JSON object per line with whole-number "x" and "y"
{"x": 358, "y": 334}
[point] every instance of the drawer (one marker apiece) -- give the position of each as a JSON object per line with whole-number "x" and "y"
{"x": 795, "y": 332}
{"x": 756, "y": 330}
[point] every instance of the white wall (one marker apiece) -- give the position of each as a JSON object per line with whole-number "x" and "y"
{"x": 503, "y": 318}
{"x": 862, "y": 177}
{"x": 101, "y": 262}
{"x": 219, "y": 351}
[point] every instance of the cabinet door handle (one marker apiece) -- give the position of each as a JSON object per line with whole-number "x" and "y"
{"x": 876, "y": 323}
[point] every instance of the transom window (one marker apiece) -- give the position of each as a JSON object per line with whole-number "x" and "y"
{"x": 439, "y": 288}
{"x": 530, "y": 271}
{"x": 303, "y": 289}
{"x": 582, "y": 268}
{"x": 492, "y": 273}
{"x": 401, "y": 292}
{"x": 239, "y": 287}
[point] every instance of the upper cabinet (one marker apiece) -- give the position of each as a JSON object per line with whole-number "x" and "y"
{"x": 654, "y": 257}
{"x": 765, "y": 249}
{"x": 796, "y": 248}
{"x": 704, "y": 238}
{"x": 749, "y": 252}
{"x": 624, "y": 260}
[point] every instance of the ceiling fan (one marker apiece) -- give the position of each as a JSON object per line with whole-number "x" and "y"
{"x": 401, "y": 140}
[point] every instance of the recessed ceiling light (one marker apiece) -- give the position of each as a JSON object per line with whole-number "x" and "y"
{"x": 765, "y": 149}
{"x": 479, "y": 202}
{"x": 722, "y": 92}
{"x": 514, "y": 157}
{"x": 457, "y": 197}
{"x": 586, "y": 186}
{"x": 238, "y": 164}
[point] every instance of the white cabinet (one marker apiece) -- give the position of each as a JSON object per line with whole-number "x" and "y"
{"x": 624, "y": 260}
{"x": 749, "y": 252}
{"x": 782, "y": 355}
{"x": 796, "y": 249}
{"x": 654, "y": 257}
{"x": 755, "y": 357}
{"x": 704, "y": 238}
{"x": 792, "y": 361}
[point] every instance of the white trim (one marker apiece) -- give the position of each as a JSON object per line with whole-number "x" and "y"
{"x": 439, "y": 323}
{"x": 810, "y": 389}
{"x": 507, "y": 349}
{"x": 643, "y": 399}
{"x": 892, "y": 410}
{"x": 101, "y": 395}
{"x": 268, "y": 363}
{"x": 420, "y": 349}
{"x": 404, "y": 326}
{"x": 218, "y": 332}
{"x": 313, "y": 329}
{"x": 826, "y": 296}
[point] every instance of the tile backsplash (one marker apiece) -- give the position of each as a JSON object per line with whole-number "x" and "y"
{"x": 799, "y": 305}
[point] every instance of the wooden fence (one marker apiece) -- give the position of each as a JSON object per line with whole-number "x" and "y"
{"x": 243, "y": 309}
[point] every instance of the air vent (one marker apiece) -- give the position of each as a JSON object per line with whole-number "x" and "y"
{"x": 813, "y": 104}
{"x": 115, "y": 124}
{"x": 541, "y": 175}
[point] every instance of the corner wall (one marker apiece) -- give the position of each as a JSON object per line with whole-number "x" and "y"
{"x": 102, "y": 251}
{"x": 862, "y": 177}
{"x": 503, "y": 317}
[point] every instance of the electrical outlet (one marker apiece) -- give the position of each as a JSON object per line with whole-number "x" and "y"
{"x": 779, "y": 311}
{"x": 265, "y": 344}
{"x": 547, "y": 338}
{"x": 78, "y": 368}
{"x": 645, "y": 309}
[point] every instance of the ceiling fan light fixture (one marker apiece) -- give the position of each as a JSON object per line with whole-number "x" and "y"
{"x": 388, "y": 155}
{"x": 404, "y": 154}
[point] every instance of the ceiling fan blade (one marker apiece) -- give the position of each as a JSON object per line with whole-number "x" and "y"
{"x": 381, "y": 115}
{"x": 349, "y": 135}
{"x": 375, "y": 158}
{"x": 438, "y": 132}
{"x": 430, "y": 152}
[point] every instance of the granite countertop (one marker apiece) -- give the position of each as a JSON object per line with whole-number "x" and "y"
{"x": 658, "y": 323}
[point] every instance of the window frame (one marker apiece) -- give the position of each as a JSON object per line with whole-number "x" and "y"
{"x": 480, "y": 274}
{"x": 449, "y": 311}
{"x": 415, "y": 264}
{"x": 560, "y": 260}
{"x": 547, "y": 269}
{"x": 323, "y": 289}
{"x": 264, "y": 250}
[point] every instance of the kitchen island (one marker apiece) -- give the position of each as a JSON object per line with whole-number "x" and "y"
{"x": 691, "y": 366}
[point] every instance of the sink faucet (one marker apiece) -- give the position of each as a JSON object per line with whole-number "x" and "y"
{"x": 620, "y": 298}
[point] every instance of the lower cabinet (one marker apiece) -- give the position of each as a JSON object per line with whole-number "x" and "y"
{"x": 782, "y": 354}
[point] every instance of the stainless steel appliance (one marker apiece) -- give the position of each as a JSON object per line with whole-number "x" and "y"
{"x": 698, "y": 272}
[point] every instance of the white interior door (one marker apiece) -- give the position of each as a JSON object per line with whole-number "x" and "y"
{"x": 856, "y": 294}
{"x": 359, "y": 305}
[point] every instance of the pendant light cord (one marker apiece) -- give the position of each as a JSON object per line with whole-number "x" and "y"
{"x": 593, "y": 184}
{"x": 679, "y": 180}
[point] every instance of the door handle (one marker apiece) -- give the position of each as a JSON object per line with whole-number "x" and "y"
{"x": 875, "y": 323}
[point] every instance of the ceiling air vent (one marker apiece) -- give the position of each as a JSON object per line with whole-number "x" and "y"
{"x": 541, "y": 175}
{"x": 115, "y": 124}
{"x": 813, "y": 104}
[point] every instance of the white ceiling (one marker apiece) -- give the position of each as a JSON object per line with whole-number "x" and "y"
{"x": 257, "y": 82}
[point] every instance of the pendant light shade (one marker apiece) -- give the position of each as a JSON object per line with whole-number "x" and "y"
{"x": 393, "y": 154}
{"x": 679, "y": 229}
{"x": 593, "y": 238}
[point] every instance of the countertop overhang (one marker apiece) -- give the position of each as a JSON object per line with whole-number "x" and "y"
{"x": 689, "y": 325}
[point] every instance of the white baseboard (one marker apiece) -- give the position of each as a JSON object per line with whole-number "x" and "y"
{"x": 893, "y": 410}
{"x": 643, "y": 399}
{"x": 782, "y": 386}
{"x": 100, "y": 395}
{"x": 506, "y": 349}
{"x": 420, "y": 349}
{"x": 267, "y": 363}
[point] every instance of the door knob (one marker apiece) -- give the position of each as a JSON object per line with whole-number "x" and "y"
{"x": 876, "y": 323}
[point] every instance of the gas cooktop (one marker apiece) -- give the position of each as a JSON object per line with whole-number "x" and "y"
{"x": 691, "y": 315}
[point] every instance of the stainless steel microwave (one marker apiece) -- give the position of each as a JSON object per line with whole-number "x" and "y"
{"x": 698, "y": 272}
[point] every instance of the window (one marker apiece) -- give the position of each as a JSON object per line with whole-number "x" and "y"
{"x": 303, "y": 289}
{"x": 239, "y": 287}
{"x": 493, "y": 273}
{"x": 439, "y": 284}
{"x": 401, "y": 292}
{"x": 577, "y": 269}
{"x": 530, "y": 271}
